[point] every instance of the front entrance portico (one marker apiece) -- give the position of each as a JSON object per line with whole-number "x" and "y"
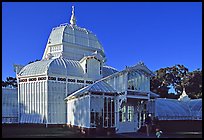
{"x": 131, "y": 115}
{"x": 133, "y": 110}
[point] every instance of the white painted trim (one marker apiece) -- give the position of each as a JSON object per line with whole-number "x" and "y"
{"x": 137, "y": 97}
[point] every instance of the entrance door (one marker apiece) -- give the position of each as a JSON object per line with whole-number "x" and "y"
{"x": 140, "y": 116}
{"x": 127, "y": 119}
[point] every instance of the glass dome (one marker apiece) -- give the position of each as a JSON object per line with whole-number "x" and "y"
{"x": 67, "y": 39}
{"x": 59, "y": 66}
{"x": 72, "y": 41}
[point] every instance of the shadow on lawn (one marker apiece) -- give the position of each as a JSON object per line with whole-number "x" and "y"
{"x": 40, "y": 131}
{"x": 23, "y": 131}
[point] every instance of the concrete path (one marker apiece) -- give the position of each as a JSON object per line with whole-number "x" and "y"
{"x": 164, "y": 135}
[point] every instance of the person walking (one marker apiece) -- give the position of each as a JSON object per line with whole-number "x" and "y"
{"x": 148, "y": 123}
{"x": 158, "y": 133}
{"x": 155, "y": 122}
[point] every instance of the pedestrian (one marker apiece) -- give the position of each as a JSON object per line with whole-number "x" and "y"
{"x": 158, "y": 133}
{"x": 155, "y": 123}
{"x": 148, "y": 123}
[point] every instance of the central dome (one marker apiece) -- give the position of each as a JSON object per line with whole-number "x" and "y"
{"x": 72, "y": 42}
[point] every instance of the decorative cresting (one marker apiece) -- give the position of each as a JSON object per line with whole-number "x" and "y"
{"x": 73, "y": 19}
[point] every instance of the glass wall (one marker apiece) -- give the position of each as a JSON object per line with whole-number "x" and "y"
{"x": 141, "y": 108}
{"x": 137, "y": 80}
{"x": 105, "y": 116}
{"x": 109, "y": 112}
{"x": 126, "y": 113}
{"x": 134, "y": 80}
{"x": 130, "y": 114}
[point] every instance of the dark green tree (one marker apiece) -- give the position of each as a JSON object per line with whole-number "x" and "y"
{"x": 179, "y": 78}
{"x": 4, "y": 84}
{"x": 158, "y": 86}
{"x": 176, "y": 76}
{"x": 10, "y": 81}
{"x": 33, "y": 61}
{"x": 193, "y": 84}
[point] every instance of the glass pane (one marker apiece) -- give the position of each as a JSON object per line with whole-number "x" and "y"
{"x": 124, "y": 114}
{"x": 105, "y": 112}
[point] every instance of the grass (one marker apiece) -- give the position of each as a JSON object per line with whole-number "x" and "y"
{"x": 23, "y": 131}
{"x": 9, "y": 131}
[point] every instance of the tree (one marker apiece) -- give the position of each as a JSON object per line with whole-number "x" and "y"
{"x": 33, "y": 61}
{"x": 4, "y": 84}
{"x": 158, "y": 86}
{"x": 193, "y": 84}
{"x": 10, "y": 81}
{"x": 166, "y": 78}
{"x": 179, "y": 78}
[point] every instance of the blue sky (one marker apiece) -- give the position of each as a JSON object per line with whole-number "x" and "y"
{"x": 160, "y": 34}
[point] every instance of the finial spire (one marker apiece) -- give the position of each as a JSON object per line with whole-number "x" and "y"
{"x": 73, "y": 19}
{"x": 184, "y": 96}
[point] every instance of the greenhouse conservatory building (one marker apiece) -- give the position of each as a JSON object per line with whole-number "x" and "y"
{"x": 71, "y": 85}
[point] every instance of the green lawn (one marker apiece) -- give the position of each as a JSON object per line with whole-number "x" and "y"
{"x": 10, "y": 131}
{"x": 23, "y": 131}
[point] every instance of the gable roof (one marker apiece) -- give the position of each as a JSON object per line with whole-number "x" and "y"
{"x": 99, "y": 86}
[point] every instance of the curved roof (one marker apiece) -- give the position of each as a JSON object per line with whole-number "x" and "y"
{"x": 56, "y": 35}
{"x": 35, "y": 68}
{"x": 64, "y": 66}
{"x": 170, "y": 107}
{"x": 75, "y": 35}
{"x": 107, "y": 70}
{"x": 195, "y": 106}
{"x": 174, "y": 109}
{"x": 59, "y": 66}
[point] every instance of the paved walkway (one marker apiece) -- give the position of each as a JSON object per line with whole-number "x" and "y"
{"x": 136, "y": 135}
{"x": 165, "y": 135}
